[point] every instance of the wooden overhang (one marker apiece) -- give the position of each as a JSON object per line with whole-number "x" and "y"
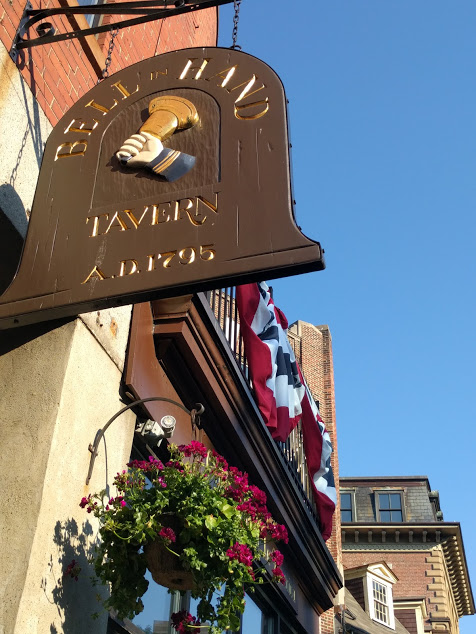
{"x": 192, "y": 350}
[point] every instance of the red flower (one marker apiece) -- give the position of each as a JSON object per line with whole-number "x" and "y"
{"x": 242, "y": 553}
{"x": 194, "y": 449}
{"x": 72, "y": 570}
{"x": 277, "y": 557}
{"x": 279, "y": 575}
{"x": 168, "y": 534}
{"x": 181, "y": 622}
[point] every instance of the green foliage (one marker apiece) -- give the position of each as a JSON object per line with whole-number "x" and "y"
{"x": 223, "y": 527}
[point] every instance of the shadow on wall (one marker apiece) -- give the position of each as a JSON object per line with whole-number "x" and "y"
{"x": 76, "y": 600}
{"x": 13, "y": 226}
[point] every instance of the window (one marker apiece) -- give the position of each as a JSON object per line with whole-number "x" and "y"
{"x": 380, "y": 600}
{"x": 346, "y": 509}
{"x": 253, "y": 620}
{"x": 390, "y": 507}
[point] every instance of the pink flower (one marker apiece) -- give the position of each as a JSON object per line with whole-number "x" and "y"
{"x": 72, "y": 570}
{"x": 184, "y": 622}
{"x": 242, "y": 553}
{"x": 194, "y": 449}
{"x": 278, "y": 575}
{"x": 123, "y": 503}
{"x": 275, "y": 531}
{"x": 167, "y": 534}
{"x": 277, "y": 557}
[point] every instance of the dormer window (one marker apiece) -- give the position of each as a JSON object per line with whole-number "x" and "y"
{"x": 390, "y": 508}
{"x": 371, "y": 585}
{"x": 346, "y": 507}
{"x": 379, "y": 595}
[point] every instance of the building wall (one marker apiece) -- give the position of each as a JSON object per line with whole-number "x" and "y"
{"x": 60, "y": 381}
{"x": 60, "y": 385}
{"x": 408, "y": 619}
{"x": 421, "y": 573}
{"x": 313, "y": 349}
{"x": 58, "y": 74}
{"x": 416, "y": 503}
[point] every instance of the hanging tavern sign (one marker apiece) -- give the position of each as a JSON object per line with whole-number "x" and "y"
{"x": 170, "y": 177}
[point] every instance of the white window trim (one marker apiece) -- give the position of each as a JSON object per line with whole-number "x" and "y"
{"x": 371, "y": 604}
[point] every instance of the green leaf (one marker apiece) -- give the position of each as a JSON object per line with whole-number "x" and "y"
{"x": 210, "y": 522}
{"x": 228, "y": 510}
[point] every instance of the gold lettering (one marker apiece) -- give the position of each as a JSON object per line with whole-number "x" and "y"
{"x": 81, "y": 127}
{"x": 202, "y": 206}
{"x": 181, "y": 206}
{"x": 151, "y": 265}
{"x": 248, "y": 85}
{"x": 103, "y": 109}
{"x": 226, "y": 75}
{"x": 207, "y": 253}
{"x": 95, "y": 231}
{"x": 257, "y": 115}
{"x": 71, "y": 152}
{"x": 155, "y": 73}
{"x": 123, "y": 90}
{"x": 130, "y": 214}
{"x": 191, "y": 66}
{"x": 134, "y": 268}
{"x": 160, "y": 213}
{"x": 120, "y": 223}
{"x": 168, "y": 255}
{"x": 195, "y": 220}
{"x": 207, "y": 203}
{"x": 96, "y": 274}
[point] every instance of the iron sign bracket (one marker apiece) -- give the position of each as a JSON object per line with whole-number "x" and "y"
{"x": 148, "y": 10}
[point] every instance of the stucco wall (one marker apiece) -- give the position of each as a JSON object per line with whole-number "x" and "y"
{"x": 23, "y": 129}
{"x": 59, "y": 388}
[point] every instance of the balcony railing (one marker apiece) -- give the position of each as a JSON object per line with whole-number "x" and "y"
{"x": 224, "y": 307}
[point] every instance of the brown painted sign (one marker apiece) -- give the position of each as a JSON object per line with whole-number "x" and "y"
{"x": 170, "y": 177}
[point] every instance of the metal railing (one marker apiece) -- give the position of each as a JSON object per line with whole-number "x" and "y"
{"x": 224, "y": 307}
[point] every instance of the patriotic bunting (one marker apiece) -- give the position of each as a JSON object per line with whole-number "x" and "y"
{"x": 281, "y": 392}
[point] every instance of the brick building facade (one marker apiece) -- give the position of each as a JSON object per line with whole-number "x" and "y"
{"x": 398, "y": 521}
{"x": 59, "y": 74}
{"x": 431, "y": 589}
{"x": 312, "y": 347}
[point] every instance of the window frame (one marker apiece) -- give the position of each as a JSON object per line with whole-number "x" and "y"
{"x": 350, "y": 492}
{"x": 371, "y": 578}
{"x": 378, "y": 509}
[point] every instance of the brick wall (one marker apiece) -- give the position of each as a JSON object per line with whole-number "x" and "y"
{"x": 420, "y": 574}
{"x": 313, "y": 349}
{"x": 408, "y": 619}
{"x": 356, "y": 589}
{"x": 58, "y": 74}
{"x": 408, "y": 566}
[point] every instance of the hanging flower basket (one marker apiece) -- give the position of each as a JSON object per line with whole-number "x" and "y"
{"x": 166, "y": 567}
{"x": 198, "y": 525}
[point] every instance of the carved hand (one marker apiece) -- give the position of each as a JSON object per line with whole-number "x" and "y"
{"x": 139, "y": 150}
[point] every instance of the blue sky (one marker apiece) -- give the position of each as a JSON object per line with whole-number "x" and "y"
{"x": 383, "y": 118}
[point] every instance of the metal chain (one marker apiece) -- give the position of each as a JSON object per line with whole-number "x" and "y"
{"x": 236, "y": 19}
{"x": 112, "y": 43}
